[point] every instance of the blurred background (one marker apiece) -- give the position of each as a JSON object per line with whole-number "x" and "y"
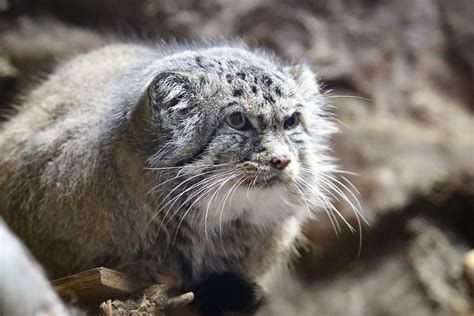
{"x": 402, "y": 81}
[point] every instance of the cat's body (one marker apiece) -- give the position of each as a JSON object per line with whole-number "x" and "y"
{"x": 90, "y": 164}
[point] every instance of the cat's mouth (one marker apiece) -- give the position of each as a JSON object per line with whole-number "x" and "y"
{"x": 258, "y": 176}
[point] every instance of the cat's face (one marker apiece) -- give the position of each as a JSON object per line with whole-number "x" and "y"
{"x": 242, "y": 127}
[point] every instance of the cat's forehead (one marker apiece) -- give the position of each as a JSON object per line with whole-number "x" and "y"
{"x": 257, "y": 90}
{"x": 260, "y": 86}
{"x": 270, "y": 85}
{"x": 244, "y": 72}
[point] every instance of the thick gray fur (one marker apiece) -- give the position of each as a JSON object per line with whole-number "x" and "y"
{"x": 124, "y": 155}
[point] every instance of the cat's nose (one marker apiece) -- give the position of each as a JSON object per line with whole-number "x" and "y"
{"x": 280, "y": 162}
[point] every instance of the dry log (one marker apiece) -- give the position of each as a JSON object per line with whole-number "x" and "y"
{"x": 154, "y": 300}
{"x": 89, "y": 288}
{"x": 437, "y": 262}
{"x": 110, "y": 292}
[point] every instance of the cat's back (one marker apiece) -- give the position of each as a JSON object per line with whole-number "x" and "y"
{"x": 68, "y": 115}
{"x": 78, "y": 90}
{"x": 58, "y": 147}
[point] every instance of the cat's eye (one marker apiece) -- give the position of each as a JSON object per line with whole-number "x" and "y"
{"x": 238, "y": 121}
{"x": 292, "y": 121}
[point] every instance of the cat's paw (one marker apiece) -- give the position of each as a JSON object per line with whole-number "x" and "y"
{"x": 227, "y": 292}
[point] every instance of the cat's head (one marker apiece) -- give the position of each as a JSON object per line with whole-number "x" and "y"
{"x": 238, "y": 129}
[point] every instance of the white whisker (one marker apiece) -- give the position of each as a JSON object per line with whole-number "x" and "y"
{"x": 349, "y": 97}
{"x": 176, "y": 198}
{"x": 190, "y": 207}
{"x": 236, "y": 184}
{"x": 325, "y": 203}
{"x": 171, "y": 192}
{"x": 209, "y": 204}
{"x": 310, "y": 214}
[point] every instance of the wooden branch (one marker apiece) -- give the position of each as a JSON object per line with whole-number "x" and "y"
{"x": 154, "y": 300}
{"x": 89, "y": 288}
{"x": 110, "y": 292}
{"x": 179, "y": 301}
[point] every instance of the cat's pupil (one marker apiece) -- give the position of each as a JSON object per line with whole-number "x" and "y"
{"x": 237, "y": 120}
{"x": 291, "y": 122}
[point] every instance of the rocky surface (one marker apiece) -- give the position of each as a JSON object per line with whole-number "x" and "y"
{"x": 402, "y": 81}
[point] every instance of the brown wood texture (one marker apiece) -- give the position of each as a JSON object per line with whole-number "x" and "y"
{"x": 90, "y": 288}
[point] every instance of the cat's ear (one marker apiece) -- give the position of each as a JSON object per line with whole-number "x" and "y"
{"x": 171, "y": 92}
{"x": 306, "y": 80}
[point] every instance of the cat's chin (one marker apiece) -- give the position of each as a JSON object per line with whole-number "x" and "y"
{"x": 276, "y": 181}
{"x": 270, "y": 181}
{"x": 261, "y": 206}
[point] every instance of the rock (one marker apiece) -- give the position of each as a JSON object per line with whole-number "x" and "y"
{"x": 469, "y": 273}
{"x": 30, "y": 43}
{"x": 438, "y": 263}
{"x": 23, "y": 283}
